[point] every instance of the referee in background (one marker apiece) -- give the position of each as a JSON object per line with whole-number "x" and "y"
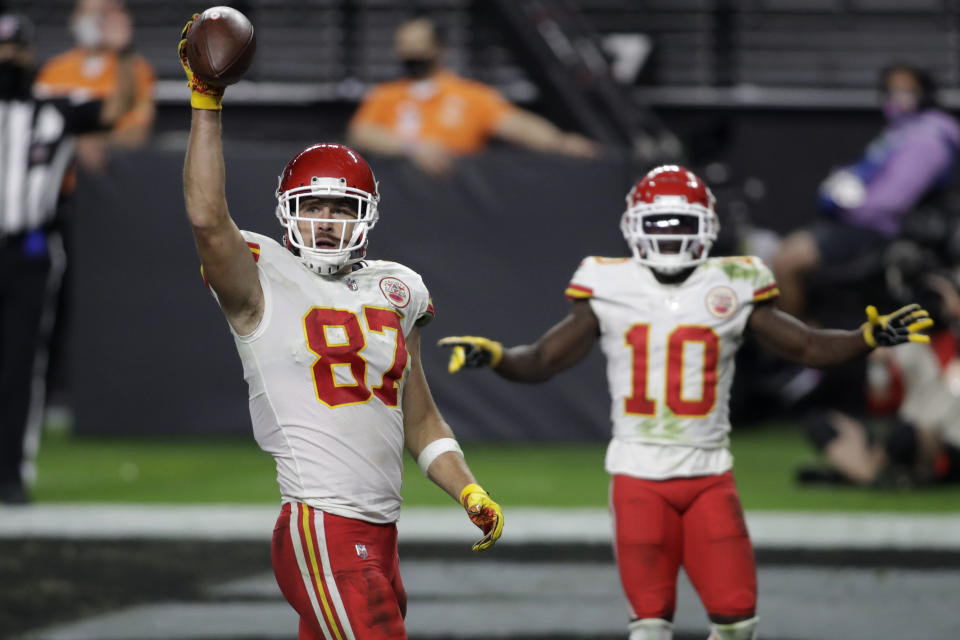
{"x": 36, "y": 147}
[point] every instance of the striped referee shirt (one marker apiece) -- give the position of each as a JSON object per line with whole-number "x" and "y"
{"x": 36, "y": 146}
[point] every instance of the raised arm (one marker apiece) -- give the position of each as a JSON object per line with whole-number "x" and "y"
{"x": 562, "y": 346}
{"x": 228, "y": 265}
{"x": 432, "y": 444}
{"x": 787, "y": 337}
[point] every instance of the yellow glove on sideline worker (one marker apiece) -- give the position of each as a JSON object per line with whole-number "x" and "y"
{"x": 483, "y": 512}
{"x": 202, "y": 95}
{"x": 903, "y": 325}
{"x": 472, "y": 352}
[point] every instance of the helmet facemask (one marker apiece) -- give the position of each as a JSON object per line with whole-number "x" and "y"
{"x": 670, "y": 234}
{"x": 342, "y": 235}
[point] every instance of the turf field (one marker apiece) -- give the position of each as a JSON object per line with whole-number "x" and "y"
{"x": 75, "y": 469}
{"x": 65, "y": 581}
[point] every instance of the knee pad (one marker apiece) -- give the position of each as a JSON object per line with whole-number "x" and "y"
{"x": 650, "y": 629}
{"x": 742, "y": 630}
{"x": 819, "y": 429}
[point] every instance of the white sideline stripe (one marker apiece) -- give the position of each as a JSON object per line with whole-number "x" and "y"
{"x": 769, "y": 529}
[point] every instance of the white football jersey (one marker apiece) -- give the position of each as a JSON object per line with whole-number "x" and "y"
{"x": 670, "y": 358}
{"x": 326, "y": 369}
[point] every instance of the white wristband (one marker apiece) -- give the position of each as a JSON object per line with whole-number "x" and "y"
{"x": 434, "y": 450}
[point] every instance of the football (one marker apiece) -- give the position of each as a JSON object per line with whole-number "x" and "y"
{"x": 220, "y": 46}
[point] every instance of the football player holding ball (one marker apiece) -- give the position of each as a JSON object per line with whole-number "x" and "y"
{"x": 330, "y": 346}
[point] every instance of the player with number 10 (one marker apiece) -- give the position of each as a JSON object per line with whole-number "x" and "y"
{"x": 330, "y": 346}
{"x": 669, "y": 321}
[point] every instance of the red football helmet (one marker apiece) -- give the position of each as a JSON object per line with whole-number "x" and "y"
{"x": 328, "y": 171}
{"x": 670, "y": 223}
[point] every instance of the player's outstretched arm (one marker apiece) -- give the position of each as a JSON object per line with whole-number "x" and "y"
{"x": 535, "y": 132}
{"x": 430, "y": 441}
{"x": 227, "y": 262}
{"x": 562, "y": 346}
{"x": 784, "y": 335}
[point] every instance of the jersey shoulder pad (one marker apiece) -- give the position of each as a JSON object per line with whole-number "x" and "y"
{"x": 601, "y": 260}
{"x": 260, "y": 244}
{"x": 255, "y": 242}
{"x": 582, "y": 282}
{"x": 387, "y": 269}
{"x": 403, "y": 288}
{"x": 592, "y": 271}
{"x": 749, "y": 272}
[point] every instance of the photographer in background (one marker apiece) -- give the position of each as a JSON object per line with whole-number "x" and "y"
{"x": 912, "y": 436}
{"x": 907, "y": 164}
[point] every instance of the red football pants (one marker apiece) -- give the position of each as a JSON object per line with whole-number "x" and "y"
{"x": 697, "y": 522}
{"x": 340, "y": 574}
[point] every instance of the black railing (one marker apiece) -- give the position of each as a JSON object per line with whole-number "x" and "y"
{"x": 698, "y": 46}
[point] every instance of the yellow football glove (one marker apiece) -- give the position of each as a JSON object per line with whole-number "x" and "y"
{"x": 202, "y": 95}
{"x": 483, "y": 512}
{"x": 903, "y": 325}
{"x": 472, "y": 352}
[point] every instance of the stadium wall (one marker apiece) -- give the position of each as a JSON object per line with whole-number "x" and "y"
{"x": 496, "y": 241}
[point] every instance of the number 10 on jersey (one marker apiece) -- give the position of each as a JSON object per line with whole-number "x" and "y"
{"x": 638, "y": 403}
{"x": 331, "y": 355}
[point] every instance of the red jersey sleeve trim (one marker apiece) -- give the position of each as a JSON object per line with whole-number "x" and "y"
{"x": 427, "y": 315}
{"x": 766, "y": 293}
{"x": 578, "y": 292}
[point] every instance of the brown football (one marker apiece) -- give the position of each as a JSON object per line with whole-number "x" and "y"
{"x": 220, "y": 46}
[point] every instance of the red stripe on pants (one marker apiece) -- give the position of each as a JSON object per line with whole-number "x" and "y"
{"x": 313, "y": 541}
{"x": 365, "y": 567}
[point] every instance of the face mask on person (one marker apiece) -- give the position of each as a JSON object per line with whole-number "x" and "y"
{"x": 417, "y": 68}
{"x": 15, "y": 80}
{"x": 86, "y": 31}
{"x": 900, "y": 102}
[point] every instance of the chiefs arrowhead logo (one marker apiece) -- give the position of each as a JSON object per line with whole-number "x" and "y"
{"x": 722, "y": 301}
{"x": 395, "y": 291}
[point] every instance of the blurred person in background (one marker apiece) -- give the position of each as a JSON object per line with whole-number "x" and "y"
{"x": 432, "y": 115}
{"x": 910, "y": 161}
{"x": 36, "y": 144}
{"x": 912, "y": 437}
{"x": 89, "y": 71}
{"x": 330, "y": 346}
{"x": 670, "y": 320}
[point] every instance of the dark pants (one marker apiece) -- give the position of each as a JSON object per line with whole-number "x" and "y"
{"x": 30, "y": 271}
